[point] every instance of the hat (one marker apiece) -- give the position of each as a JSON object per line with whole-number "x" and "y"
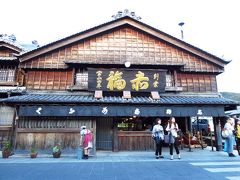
{"x": 83, "y": 127}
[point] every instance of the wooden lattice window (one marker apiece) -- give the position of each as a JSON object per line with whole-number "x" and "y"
{"x": 7, "y": 74}
{"x": 6, "y": 115}
{"x": 82, "y": 78}
{"x": 169, "y": 79}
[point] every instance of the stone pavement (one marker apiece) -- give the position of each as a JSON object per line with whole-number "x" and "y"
{"x": 197, "y": 154}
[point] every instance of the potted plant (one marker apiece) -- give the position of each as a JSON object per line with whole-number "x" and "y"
{"x": 56, "y": 151}
{"x": 33, "y": 153}
{"x": 6, "y": 152}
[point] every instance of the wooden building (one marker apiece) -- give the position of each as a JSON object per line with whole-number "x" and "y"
{"x": 115, "y": 78}
{"x": 11, "y": 80}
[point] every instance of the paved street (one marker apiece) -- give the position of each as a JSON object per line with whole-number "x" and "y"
{"x": 109, "y": 171}
{"x": 199, "y": 164}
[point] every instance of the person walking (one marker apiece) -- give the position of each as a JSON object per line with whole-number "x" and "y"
{"x": 229, "y": 128}
{"x": 238, "y": 136}
{"x": 172, "y": 129}
{"x": 158, "y": 135}
{"x": 86, "y": 141}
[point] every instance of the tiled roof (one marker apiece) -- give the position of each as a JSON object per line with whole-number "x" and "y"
{"x": 124, "y": 17}
{"x": 12, "y": 89}
{"x": 15, "y": 44}
{"x": 8, "y": 58}
{"x": 174, "y": 100}
{"x": 23, "y": 47}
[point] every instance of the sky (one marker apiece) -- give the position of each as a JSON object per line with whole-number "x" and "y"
{"x": 211, "y": 25}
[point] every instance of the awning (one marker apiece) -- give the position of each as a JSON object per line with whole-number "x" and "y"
{"x": 120, "y": 111}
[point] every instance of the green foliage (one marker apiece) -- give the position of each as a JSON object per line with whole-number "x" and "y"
{"x": 232, "y": 96}
{"x": 7, "y": 146}
{"x": 33, "y": 147}
{"x": 56, "y": 149}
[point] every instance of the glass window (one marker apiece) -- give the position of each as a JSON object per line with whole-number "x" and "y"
{"x": 82, "y": 78}
{"x": 135, "y": 124}
{"x": 169, "y": 79}
{"x": 6, "y": 115}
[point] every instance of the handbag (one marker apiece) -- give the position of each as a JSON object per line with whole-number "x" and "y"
{"x": 225, "y": 133}
{"x": 169, "y": 139}
{"x": 166, "y": 139}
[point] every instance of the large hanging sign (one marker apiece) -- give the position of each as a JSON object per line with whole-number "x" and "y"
{"x": 126, "y": 80}
{"x": 121, "y": 111}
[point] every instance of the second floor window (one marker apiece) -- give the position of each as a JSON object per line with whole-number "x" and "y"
{"x": 7, "y": 74}
{"x": 169, "y": 79}
{"x": 81, "y": 78}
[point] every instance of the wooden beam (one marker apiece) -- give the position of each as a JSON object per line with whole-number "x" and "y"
{"x": 48, "y": 130}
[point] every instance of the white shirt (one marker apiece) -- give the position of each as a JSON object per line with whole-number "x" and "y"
{"x": 158, "y": 131}
{"x": 173, "y": 129}
{"x": 229, "y": 128}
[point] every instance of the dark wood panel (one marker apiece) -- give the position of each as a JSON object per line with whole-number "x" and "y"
{"x": 135, "y": 141}
{"x": 197, "y": 82}
{"x": 104, "y": 138}
{"x": 57, "y": 80}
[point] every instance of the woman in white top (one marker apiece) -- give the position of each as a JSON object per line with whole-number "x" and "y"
{"x": 229, "y": 126}
{"x": 172, "y": 129}
{"x": 158, "y": 135}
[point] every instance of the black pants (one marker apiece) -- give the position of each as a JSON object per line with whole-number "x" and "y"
{"x": 175, "y": 144}
{"x": 238, "y": 145}
{"x": 159, "y": 148}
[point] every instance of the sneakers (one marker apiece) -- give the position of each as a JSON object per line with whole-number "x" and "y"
{"x": 157, "y": 157}
{"x": 231, "y": 155}
{"x": 179, "y": 157}
{"x": 171, "y": 157}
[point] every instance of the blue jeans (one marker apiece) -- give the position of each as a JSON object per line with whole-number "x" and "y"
{"x": 229, "y": 143}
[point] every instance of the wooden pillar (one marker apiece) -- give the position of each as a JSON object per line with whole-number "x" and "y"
{"x": 94, "y": 130}
{"x": 189, "y": 124}
{"x": 14, "y": 128}
{"x": 186, "y": 125}
{"x": 73, "y": 76}
{"x": 115, "y": 135}
{"x": 217, "y": 133}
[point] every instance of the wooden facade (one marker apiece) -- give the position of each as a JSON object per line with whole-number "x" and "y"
{"x": 62, "y": 67}
{"x": 51, "y": 130}
{"x": 114, "y": 48}
{"x": 8, "y": 83}
{"x": 49, "y": 80}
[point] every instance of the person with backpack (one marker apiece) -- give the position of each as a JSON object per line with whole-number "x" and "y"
{"x": 172, "y": 129}
{"x": 158, "y": 136}
{"x": 86, "y": 141}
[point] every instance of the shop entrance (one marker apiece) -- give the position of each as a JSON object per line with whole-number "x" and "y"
{"x": 104, "y": 137}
